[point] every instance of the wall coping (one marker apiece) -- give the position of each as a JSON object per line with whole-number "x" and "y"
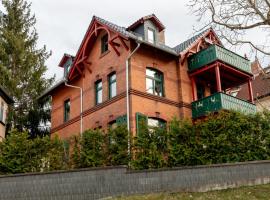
{"x": 130, "y": 171}
{"x": 200, "y": 166}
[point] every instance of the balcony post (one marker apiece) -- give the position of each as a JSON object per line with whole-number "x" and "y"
{"x": 194, "y": 88}
{"x": 250, "y": 91}
{"x": 218, "y": 78}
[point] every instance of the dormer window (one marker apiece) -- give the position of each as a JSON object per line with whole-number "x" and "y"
{"x": 104, "y": 44}
{"x": 67, "y": 67}
{"x": 151, "y": 35}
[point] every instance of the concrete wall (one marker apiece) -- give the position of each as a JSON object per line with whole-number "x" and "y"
{"x": 104, "y": 182}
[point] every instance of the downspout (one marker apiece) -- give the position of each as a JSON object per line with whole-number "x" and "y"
{"x": 81, "y": 117}
{"x": 127, "y": 93}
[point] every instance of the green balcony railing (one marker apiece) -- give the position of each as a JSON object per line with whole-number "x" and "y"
{"x": 214, "y": 53}
{"x": 220, "y": 101}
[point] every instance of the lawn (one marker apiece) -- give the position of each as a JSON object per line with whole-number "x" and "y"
{"x": 260, "y": 192}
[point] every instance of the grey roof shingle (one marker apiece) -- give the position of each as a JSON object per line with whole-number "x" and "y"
{"x": 130, "y": 34}
{"x": 120, "y": 29}
{"x": 175, "y": 51}
{"x": 184, "y": 45}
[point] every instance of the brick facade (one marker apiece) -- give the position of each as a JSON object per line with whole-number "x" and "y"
{"x": 176, "y": 101}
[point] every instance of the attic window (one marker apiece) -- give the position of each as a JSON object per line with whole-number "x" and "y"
{"x": 104, "y": 44}
{"x": 151, "y": 35}
{"x": 67, "y": 67}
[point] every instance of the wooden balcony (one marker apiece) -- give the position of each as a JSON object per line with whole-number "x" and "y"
{"x": 220, "y": 101}
{"x": 217, "y": 53}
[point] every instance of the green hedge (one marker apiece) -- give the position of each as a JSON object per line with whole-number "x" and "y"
{"x": 19, "y": 154}
{"x": 97, "y": 148}
{"x": 221, "y": 138}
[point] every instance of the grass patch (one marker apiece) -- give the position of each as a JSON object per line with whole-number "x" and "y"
{"x": 260, "y": 192}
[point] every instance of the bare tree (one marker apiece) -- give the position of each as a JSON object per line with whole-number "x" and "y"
{"x": 234, "y": 20}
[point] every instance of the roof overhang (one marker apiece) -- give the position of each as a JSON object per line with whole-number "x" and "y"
{"x": 152, "y": 18}
{"x": 64, "y": 59}
{"x": 52, "y": 88}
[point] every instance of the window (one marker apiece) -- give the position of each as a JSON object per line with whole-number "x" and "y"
{"x": 66, "y": 110}
{"x": 143, "y": 122}
{"x": 67, "y": 67}
{"x": 154, "y": 82}
{"x": 151, "y": 35}
{"x": 104, "y": 44}
{"x": 155, "y": 123}
{"x": 112, "y": 85}
{"x": 98, "y": 86}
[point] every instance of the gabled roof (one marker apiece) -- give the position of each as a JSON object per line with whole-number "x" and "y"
{"x": 127, "y": 32}
{"x": 5, "y": 95}
{"x": 64, "y": 59}
{"x": 175, "y": 50}
{"x": 124, "y": 31}
{"x": 151, "y": 17}
{"x": 119, "y": 29}
{"x": 186, "y": 44}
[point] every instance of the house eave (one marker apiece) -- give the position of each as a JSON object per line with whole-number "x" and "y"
{"x": 52, "y": 88}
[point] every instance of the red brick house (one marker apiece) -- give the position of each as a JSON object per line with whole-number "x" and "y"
{"x": 261, "y": 86}
{"x": 120, "y": 75}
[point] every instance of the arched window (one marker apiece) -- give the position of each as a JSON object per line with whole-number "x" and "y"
{"x": 153, "y": 122}
{"x": 154, "y": 82}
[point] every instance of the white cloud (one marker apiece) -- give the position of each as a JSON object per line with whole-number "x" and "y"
{"x": 61, "y": 24}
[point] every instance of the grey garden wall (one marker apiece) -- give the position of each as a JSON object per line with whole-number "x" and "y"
{"x": 114, "y": 181}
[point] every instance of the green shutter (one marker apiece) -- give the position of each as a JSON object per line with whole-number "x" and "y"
{"x": 122, "y": 120}
{"x": 141, "y": 120}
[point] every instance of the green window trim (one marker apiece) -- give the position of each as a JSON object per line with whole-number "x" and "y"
{"x": 157, "y": 82}
{"x": 119, "y": 121}
{"x": 66, "y": 110}
{"x": 67, "y": 67}
{"x": 98, "y": 88}
{"x": 112, "y": 85}
{"x": 141, "y": 122}
{"x": 122, "y": 120}
{"x": 104, "y": 44}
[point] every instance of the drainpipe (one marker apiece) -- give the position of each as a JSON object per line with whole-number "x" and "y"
{"x": 127, "y": 90}
{"x": 81, "y": 117}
